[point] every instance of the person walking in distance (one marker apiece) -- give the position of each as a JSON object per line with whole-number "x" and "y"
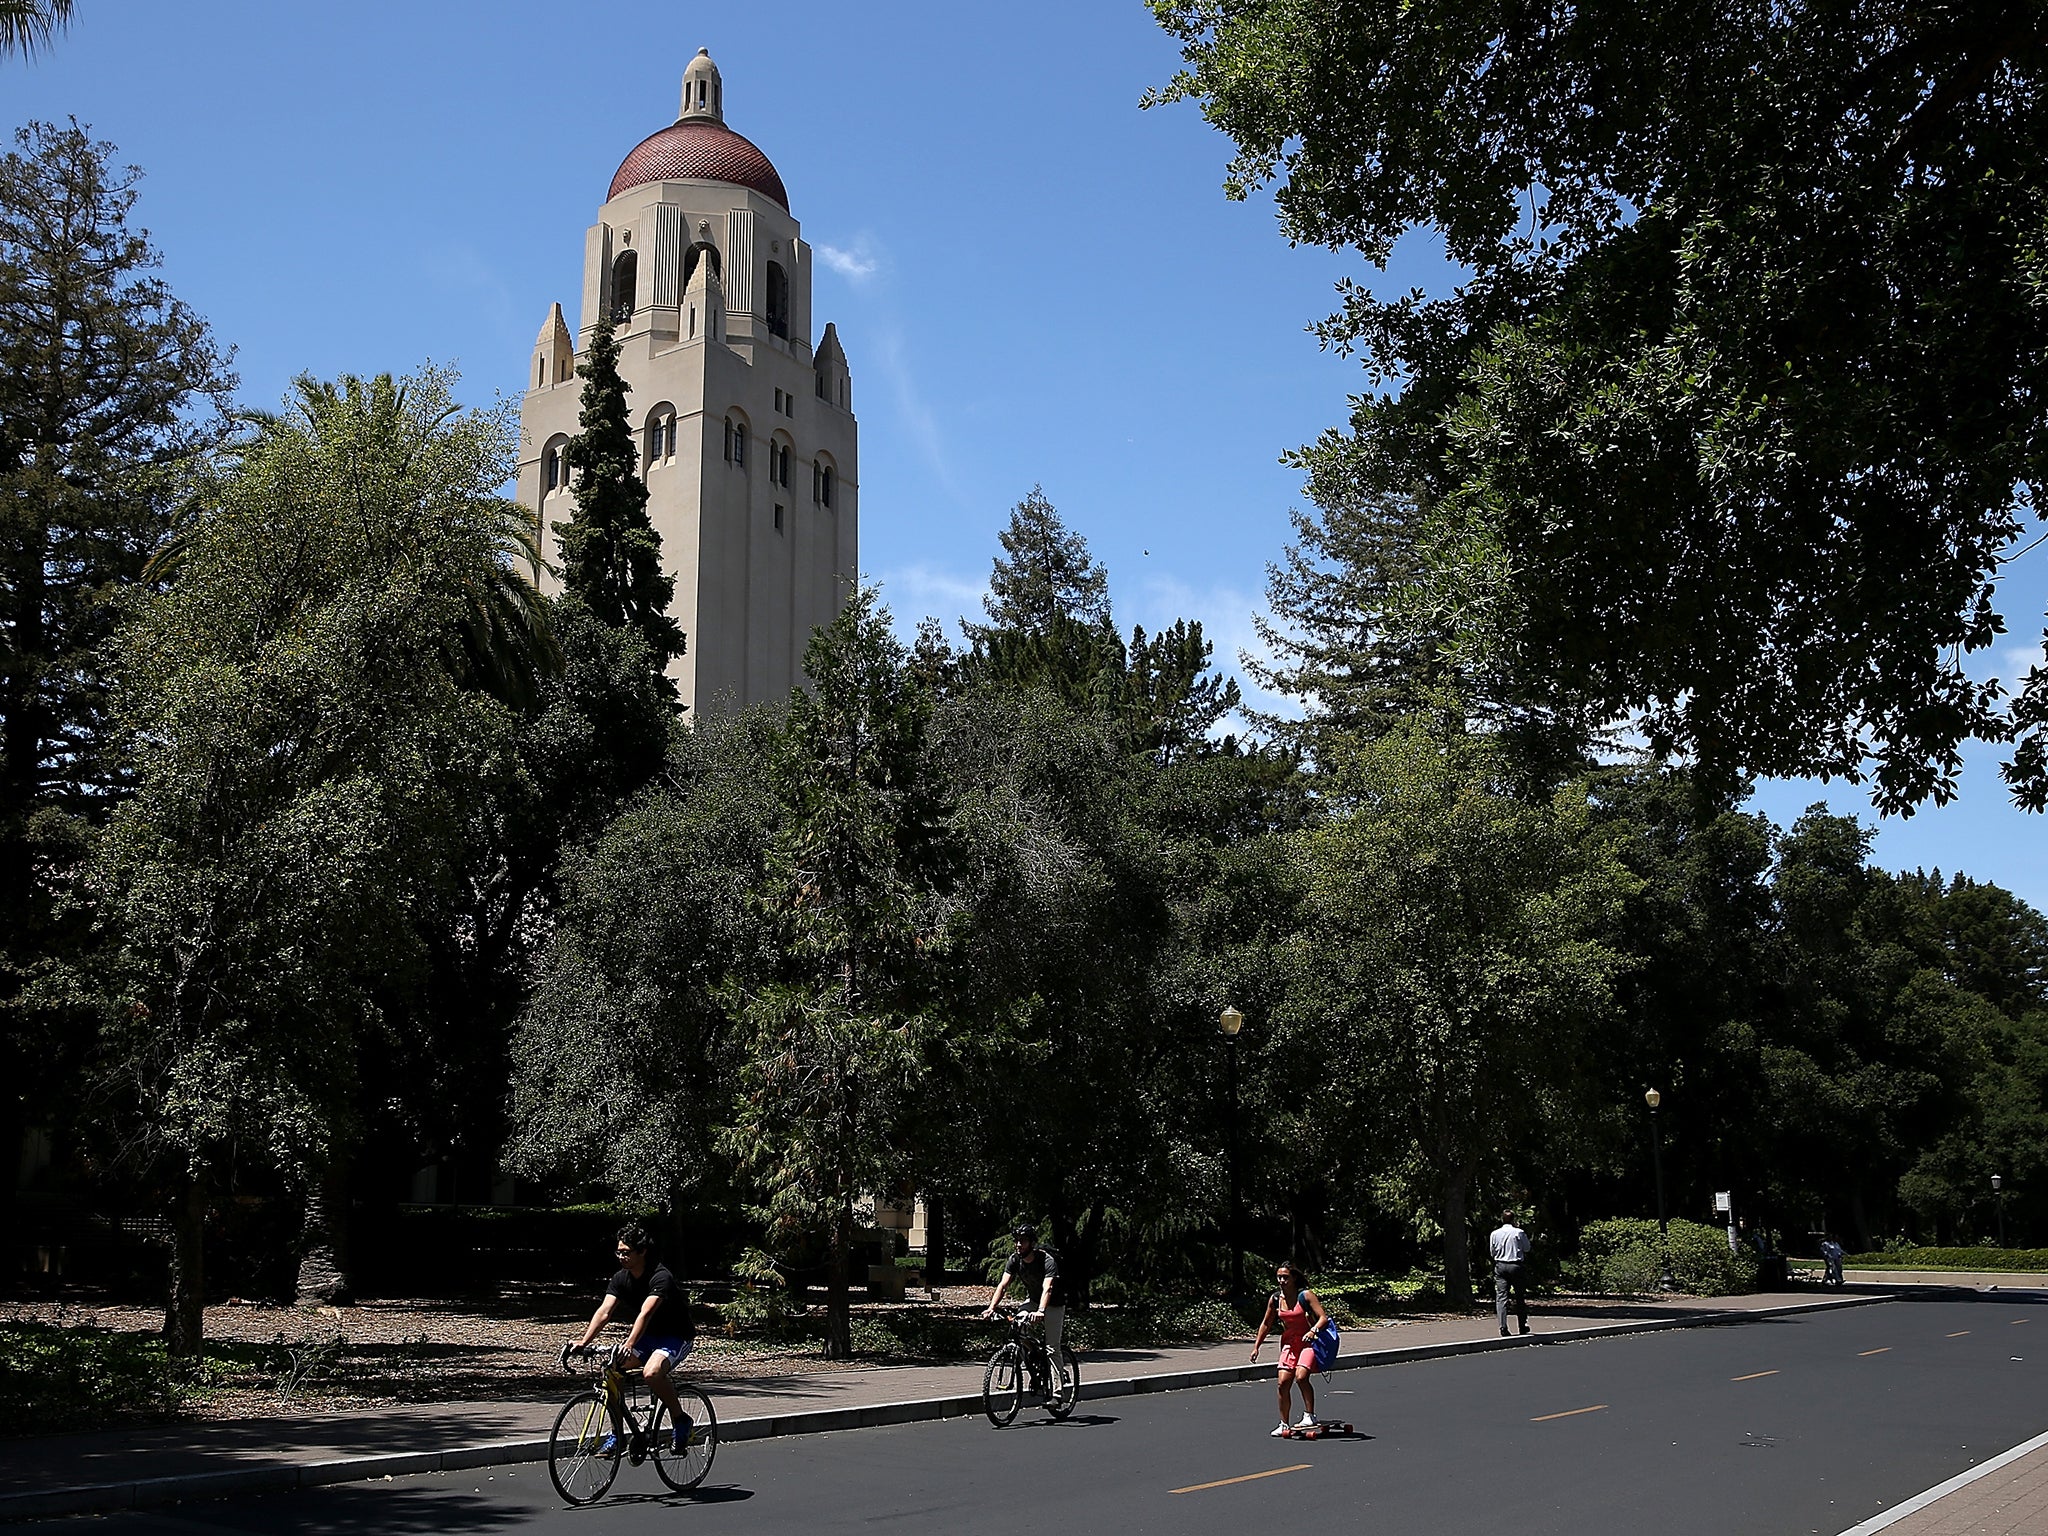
{"x": 1509, "y": 1246}
{"x": 1831, "y": 1255}
{"x": 1299, "y": 1313}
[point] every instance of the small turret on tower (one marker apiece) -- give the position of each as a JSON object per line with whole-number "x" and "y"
{"x": 554, "y": 351}
{"x": 704, "y": 303}
{"x": 832, "y": 379}
{"x": 703, "y": 93}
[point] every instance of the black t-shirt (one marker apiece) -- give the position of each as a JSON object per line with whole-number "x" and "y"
{"x": 671, "y": 1320}
{"x": 1032, "y": 1273}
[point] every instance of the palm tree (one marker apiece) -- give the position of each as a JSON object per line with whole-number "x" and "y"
{"x": 410, "y": 469}
{"x": 25, "y": 25}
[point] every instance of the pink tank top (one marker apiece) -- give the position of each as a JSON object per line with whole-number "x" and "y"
{"x": 1293, "y": 1320}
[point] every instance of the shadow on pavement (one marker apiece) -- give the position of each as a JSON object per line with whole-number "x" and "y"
{"x": 353, "y": 1510}
{"x": 1079, "y": 1420}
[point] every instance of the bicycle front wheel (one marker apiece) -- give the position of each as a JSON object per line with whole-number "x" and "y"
{"x": 578, "y": 1464}
{"x": 684, "y": 1469}
{"x": 1060, "y": 1401}
{"x": 1002, "y": 1389}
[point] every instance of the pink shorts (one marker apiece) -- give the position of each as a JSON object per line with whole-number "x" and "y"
{"x": 1297, "y": 1357}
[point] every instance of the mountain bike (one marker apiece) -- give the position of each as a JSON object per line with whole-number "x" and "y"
{"x": 617, "y": 1419}
{"x": 1020, "y": 1365}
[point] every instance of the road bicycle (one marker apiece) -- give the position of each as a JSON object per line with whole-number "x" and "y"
{"x": 1020, "y": 1365}
{"x": 617, "y": 1419}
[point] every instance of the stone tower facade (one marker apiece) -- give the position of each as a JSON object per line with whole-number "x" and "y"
{"x": 747, "y": 437}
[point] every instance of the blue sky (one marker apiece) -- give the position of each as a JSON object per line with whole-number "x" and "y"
{"x": 1035, "y": 281}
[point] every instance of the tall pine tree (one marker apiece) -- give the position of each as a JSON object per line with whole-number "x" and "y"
{"x": 110, "y": 388}
{"x": 1044, "y": 574}
{"x": 611, "y": 555}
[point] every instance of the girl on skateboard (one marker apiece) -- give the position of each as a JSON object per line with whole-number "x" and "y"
{"x": 1299, "y": 1313}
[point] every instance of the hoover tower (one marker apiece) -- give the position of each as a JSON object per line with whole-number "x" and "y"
{"x": 747, "y": 437}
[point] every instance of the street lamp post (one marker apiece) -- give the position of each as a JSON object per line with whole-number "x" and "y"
{"x": 1998, "y": 1194}
{"x": 1653, "y": 1098}
{"x": 1228, "y": 1023}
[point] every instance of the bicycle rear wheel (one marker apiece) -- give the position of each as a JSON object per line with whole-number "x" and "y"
{"x": 577, "y": 1464}
{"x": 1002, "y": 1389}
{"x": 1060, "y": 1401}
{"x": 683, "y": 1470}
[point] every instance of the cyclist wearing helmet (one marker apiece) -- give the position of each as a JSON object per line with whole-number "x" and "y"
{"x": 1037, "y": 1274}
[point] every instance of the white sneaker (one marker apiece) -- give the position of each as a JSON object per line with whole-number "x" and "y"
{"x": 1280, "y": 1433}
{"x": 1308, "y": 1421}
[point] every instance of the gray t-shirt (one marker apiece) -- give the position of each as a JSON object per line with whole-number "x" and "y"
{"x": 1033, "y": 1272}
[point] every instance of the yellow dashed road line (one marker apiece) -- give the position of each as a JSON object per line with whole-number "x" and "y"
{"x": 1249, "y": 1477}
{"x": 1753, "y": 1376}
{"x": 1865, "y": 1354}
{"x": 1542, "y": 1418}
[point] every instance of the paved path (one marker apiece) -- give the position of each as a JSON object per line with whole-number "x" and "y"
{"x": 338, "y": 1447}
{"x": 1796, "y": 1425}
{"x": 2009, "y": 1499}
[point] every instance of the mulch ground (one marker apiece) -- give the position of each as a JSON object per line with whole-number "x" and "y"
{"x": 379, "y": 1353}
{"x": 262, "y": 1357}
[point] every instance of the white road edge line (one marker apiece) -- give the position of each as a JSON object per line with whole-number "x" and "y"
{"x": 1920, "y": 1501}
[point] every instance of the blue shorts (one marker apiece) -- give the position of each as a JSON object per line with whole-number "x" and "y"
{"x": 676, "y": 1349}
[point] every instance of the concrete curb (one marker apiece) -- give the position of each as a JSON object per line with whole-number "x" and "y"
{"x": 152, "y": 1492}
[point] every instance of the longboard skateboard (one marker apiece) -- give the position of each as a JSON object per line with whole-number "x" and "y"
{"x": 1316, "y": 1432}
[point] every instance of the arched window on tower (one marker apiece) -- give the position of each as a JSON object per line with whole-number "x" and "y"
{"x": 778, "y": 301}
{"x": 830, "y": 476}
{"x": 625, "y": 280}
{"x": 659, "y": 444}
{"x": 554, "y": 467}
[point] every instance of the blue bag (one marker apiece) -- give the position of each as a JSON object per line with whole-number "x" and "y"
{"x": 1326, "y": 1340}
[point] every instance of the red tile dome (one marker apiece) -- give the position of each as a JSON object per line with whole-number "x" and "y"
{"x": 698, "y": 149}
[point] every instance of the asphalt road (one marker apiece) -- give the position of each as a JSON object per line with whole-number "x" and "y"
{"x": 1794, "y": 1425}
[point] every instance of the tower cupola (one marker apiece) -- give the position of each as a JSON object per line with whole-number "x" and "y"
{"x": 703, "y": 94}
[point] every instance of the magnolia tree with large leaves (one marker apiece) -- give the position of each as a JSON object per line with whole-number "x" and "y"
{"x": 1730, "y": 421}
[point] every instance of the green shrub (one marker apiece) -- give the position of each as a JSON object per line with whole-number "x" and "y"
{"x": 1612, "y": 1254}
{"x": 1631, "y": 1272}
{"x": 55, "y": 1379}
{"x": 1907, "y": 1257}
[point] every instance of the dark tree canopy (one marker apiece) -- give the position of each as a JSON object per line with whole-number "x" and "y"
{"x": 1733, "y": 423}
{"x": 109, "y": 387}
{"x": 611, "y": 555}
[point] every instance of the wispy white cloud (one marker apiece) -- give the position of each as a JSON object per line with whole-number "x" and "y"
{"x": 915, "y": 592}
{"x": 857, "y": 264}
{"x": 914, "y": 416}
{"x": 2017, "y": 661}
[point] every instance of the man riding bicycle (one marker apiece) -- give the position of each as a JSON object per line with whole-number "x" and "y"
{"x": 659, "y": 1330}
{"x": 1037, "y": 1273}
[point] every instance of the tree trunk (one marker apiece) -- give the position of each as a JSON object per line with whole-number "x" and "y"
{"x": 1859, "y": 1217}
{"x": 323, "y": 1240}
{"x": 838, "y": 1314}
{"x": 1457, "y": 1244}
{"x": 934, "y": 1239}
{"x": 185, "y": 1312}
